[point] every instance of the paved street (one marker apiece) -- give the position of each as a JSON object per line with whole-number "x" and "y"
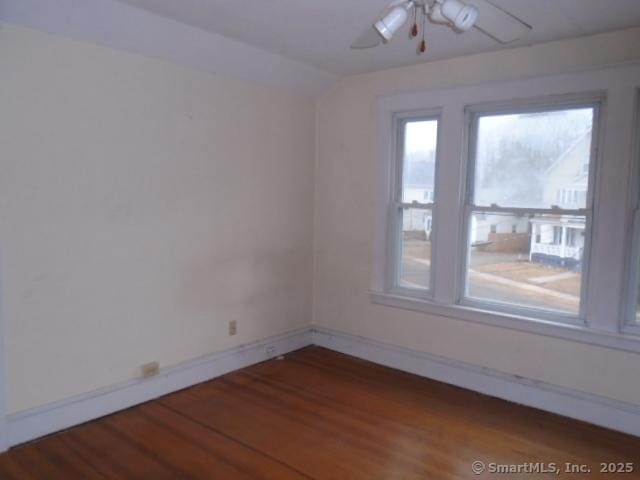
{"x": 504, "y": 277}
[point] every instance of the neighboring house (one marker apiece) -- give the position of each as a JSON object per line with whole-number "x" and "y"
{"x": 499, "y": 233}
{"x": 550, "y": 239}
{"x": 485, "y": 227}
{"x": 418, "y": 220}
{"x": 555, "y": 239}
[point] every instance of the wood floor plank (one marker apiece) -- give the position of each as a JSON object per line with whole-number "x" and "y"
{"x": 400, "y": 404}
{"x": 202, "y": 452}
{"x": 412, "y": 428}
{"x": 115, "y": 456}
{"x": 11, "y": 470}
{"x": 45, "y": 460}
{"x": 281, "y": 432}
{"x": 451, "y": 402}
{"x": 318, "y": 415}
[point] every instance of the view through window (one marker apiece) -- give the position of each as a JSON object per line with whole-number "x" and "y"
{"x": 528, "y": 208}
{"x": 417, "y": 202}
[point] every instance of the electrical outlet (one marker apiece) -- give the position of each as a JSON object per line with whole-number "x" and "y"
{"x": 233, "y": 327}
{"x": 150, "y": 369}
{"x": 270, "y": 351}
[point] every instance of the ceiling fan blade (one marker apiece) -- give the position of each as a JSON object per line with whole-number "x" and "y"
{"x": 368, "y": 39}
{"x": 498, "y": 23}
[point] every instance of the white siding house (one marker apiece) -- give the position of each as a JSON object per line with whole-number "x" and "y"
{"x": 483, "y": 225}
{"x": 418, "y": 220}
{"x": 556, "y": 239}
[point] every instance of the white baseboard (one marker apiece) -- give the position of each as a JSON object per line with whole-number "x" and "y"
{"x": 37, "y": 422}
{"x": 31, "y": 424}
{"x": 602, "y": 411}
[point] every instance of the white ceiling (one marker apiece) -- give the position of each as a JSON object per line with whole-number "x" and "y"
{"x": 299, "y": 45}
{"x": 319, "y": 32}
{"x": 114, "y": 24}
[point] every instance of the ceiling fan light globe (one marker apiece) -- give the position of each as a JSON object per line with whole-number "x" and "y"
{"x": 466, "y": 18}
{"x": 461, "y": 15}
{"x": 391, "y": 23}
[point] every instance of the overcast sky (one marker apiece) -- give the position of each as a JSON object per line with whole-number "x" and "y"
{"x": 421, "y": 136}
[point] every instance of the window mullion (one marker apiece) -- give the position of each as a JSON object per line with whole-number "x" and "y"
{"x": 447, "y": 215}
{"x": 604, "y": 307}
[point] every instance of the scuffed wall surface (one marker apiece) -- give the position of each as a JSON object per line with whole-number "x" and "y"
{"x": 142, "y": 207}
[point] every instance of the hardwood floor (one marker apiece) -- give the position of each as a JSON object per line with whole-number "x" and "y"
{"x": 322, "y": 415}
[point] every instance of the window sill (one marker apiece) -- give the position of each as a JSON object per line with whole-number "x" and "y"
{"x": 628, "y": 341}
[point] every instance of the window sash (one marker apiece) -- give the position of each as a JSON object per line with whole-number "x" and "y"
{"x": 418, "y": 205}
{"x": 400, "y": 124}
{"x": 396, "y": 284}
{"x": 631, "y": 323}
{"x": 526, "y": 211}
{"x": 514, "y": 308}
{"x": 397, "y": 206}
{"x": 474, "y": 113}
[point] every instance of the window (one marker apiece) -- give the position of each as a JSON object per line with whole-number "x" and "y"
{"x": 520, "y": 163}
{"x": 414, "y": 202}
{"x": 529, "y": 162}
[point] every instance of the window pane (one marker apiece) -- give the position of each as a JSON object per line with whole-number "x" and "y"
{"x": 533, "y": 160}
{"x": 537, "y": 265}
{"x": 419, "y": 161}
{"x": 415, "y": 267}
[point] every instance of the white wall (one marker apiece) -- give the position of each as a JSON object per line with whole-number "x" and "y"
{"x": 142, "y": 206}
{"x": 343, "y": 239}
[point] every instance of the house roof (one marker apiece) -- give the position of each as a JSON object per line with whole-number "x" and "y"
{"x": 558, "y": 161}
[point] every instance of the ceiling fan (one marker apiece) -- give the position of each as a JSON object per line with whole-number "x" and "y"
{"x": 459, "y": 15}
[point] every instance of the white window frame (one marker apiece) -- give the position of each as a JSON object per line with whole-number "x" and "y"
{"x": 630, "y": 324}
{"x": 606, "y": 282}
{"x": 397, "y": 205}
{"x": 594, "y": 101}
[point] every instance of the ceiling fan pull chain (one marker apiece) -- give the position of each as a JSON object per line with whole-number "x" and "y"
{"x": 414, "y": 27}
{"x": 423, "y": 44}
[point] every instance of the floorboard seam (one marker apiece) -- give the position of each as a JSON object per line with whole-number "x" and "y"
{"x": 250, "y": 447}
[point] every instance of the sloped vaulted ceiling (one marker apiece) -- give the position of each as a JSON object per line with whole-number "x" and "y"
{"x": 302, "y": 46}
